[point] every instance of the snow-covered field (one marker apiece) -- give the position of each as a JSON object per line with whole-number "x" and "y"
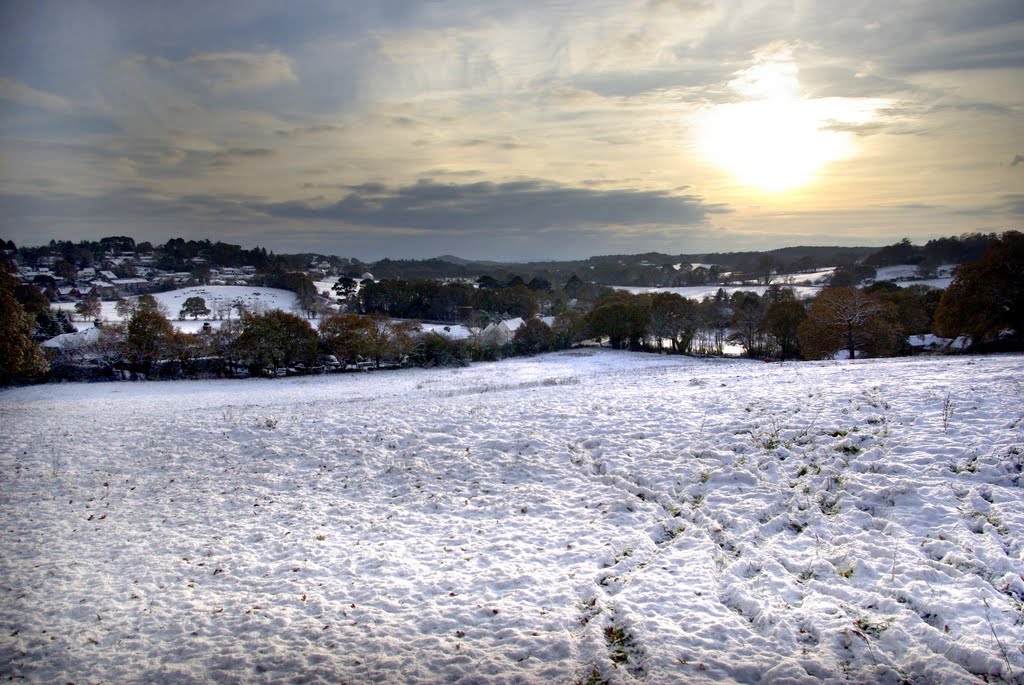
{"x": 585, "y": 516}
{"x": 224, "y": 296}
{"x": 217, "y": 297}
{"x": 906, "y": 274}
{"x": 903, "y": 275}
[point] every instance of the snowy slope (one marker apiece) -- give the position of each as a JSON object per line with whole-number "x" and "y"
{"x": 257, "y": 299}
{"x": 906, "y": 275}
{"x": 584, "y": 516}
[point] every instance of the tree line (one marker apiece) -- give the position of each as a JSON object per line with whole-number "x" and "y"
{"x": 650, "y": 269}
{"x": 274, "y": 343}
{"x": 984, "y": 304}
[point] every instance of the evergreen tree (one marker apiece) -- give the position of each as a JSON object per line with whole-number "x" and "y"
{"x": 20, "y": 356}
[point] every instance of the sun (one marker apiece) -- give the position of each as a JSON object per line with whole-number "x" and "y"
{"x": 773, "y": 138}
{"x": 770, "y": 144}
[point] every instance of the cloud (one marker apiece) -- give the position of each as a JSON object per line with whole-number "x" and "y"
{"x": 1010, "y": 204}
{"x": 17, "y": 92}
{"x": 312, "y": 130}
{"x": 528, "y": 219}
{"x": 1014, "y": 204}
{"x": 532, "y": 205}
{"x": 224, "y": 72}
{"x": 250, "y": 152}
{"x": 600, "y": 97}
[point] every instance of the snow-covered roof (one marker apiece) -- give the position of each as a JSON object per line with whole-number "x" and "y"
{"x": 70, "y": 341}
{"x": 930, "y": 341}
{"x": 513, "y": 324}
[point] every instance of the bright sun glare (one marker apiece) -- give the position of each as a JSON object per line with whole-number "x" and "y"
{"x": 775, "y": 139}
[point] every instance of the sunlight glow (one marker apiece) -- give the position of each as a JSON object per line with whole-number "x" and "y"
{"x": 775, "y": 139}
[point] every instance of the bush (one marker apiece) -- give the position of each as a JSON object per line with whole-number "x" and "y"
{"x": 275, "y": 339}
{"x": 434, "y": 349}
{"x": 533, "y": 337}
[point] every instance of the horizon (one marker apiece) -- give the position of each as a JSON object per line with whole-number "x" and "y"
{"x": 447, "y": 257}
{"x": 511, "y": 133}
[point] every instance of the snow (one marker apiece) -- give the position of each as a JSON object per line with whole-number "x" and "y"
{"x": 903, "y": 275}
{"x": 260, "y": 299}
{"x": 908, "y": 272}
{"x": 819, "y": 277}
{"x": 940, "y": 283}
{"x": 255, "y": 298}
{"x": 108, "y": 312}
{"x": 638, "y": 518}
{"x": 931, "y": 341}
{"x": 906, "y": 275}
{"x": 454, "y": 331}
{"x": 73, "y": 341}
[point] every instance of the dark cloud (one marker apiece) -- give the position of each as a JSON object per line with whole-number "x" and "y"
{"x": 416, "y": 219}
{"x": 916, "y": 206}
{"x": 500, "y": 144}
{"x": 1017, "y": 159}
{"x": 530, "y": 205}
{"x": 309, "y": 130}
{"x": 249, "y": 152}
{"x": 507, "y": 221}
{"x": 1011, "y": 204}
{"x": 126, "y": 204}
{"x": 976, "y": 108}
{"x": 633, "y": 83}
{"x": 1014, "y": 204}
{"x": 463, "y": 173}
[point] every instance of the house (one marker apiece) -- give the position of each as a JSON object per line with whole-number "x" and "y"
{"x": 933, "y": 343}
{"x": 104, "y": 289}
{"x": 130, "y": 285}
{"x": 501, "y": 332}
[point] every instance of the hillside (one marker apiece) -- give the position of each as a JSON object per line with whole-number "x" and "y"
{"x": 587, "y": 516}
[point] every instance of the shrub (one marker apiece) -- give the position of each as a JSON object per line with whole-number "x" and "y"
{"x": 434, "y": 349}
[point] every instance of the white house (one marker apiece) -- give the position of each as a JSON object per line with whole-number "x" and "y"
{"x": 502, "y": 332}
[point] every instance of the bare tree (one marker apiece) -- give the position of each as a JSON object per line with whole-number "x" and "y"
{"x": 841, "y": 318}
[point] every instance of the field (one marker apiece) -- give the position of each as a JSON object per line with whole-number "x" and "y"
{"x": 588, "y": 516}
{"x": 218, "y": 298}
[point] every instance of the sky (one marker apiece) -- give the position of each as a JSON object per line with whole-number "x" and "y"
{"x": 511, "y": 130}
